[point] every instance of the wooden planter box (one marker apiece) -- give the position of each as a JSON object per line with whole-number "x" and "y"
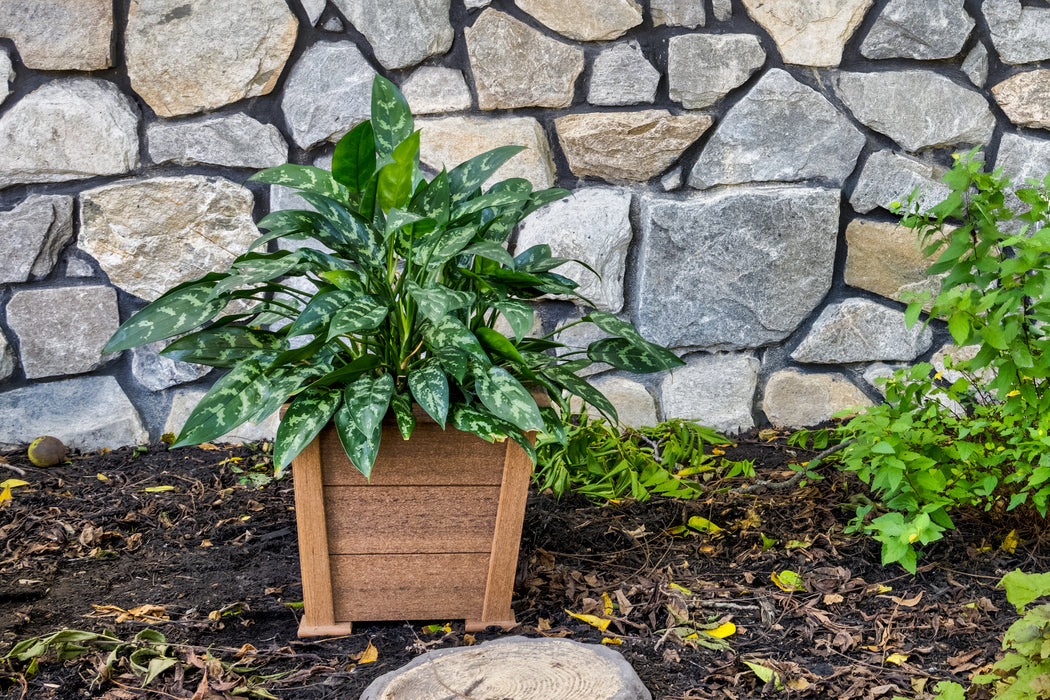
{"x": 434, "y": 536}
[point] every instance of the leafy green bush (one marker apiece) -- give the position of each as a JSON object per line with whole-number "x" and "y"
{"x": 599, "y": 461}
{"x": 982, "y": 440}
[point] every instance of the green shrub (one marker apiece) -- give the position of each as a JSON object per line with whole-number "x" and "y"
{"x": 982, "y": 440}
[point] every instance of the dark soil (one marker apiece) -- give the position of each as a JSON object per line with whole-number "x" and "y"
{"x": 89, "y": 543}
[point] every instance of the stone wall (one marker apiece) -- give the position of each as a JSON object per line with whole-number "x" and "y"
{"x": 733, "y": 163}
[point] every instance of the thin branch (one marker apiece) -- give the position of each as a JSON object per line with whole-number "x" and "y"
{"x": 797, "y": 477}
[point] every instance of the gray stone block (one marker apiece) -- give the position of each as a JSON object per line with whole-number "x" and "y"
{"x": 32, "y": 235}
{"x": 717, "y": 391}
{"x": 1025, "y": 98}
{"x": 809, "y": 33}
{"x": 1020, "y": 34}
{"x": 734, "y": 269}
{"x": 585, "y": 20}
{"x": 54, "y": 36}
{"x": 621, "y": 75}
{"x": 889, "y": 177}
{"x": 433, "y": 89}
{"x": 236, "y": 141}
{"x": 919, "y": 29}
{"x": 703, "y": 68}
{"x": 796, "y": 400}
{"x": 858, "y": 330}
{"x": 677, "y": 13}
{"x": 402, "y": 32}
{"x": 156, "y": 372}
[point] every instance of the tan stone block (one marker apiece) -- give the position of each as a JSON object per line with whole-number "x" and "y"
{"x": 585, "y": 20}
{"x": 809, "y": 32}
{"x": 796, "y": 400}
{"x": 887, "y": 259}
{"x": 1025, "y": 98}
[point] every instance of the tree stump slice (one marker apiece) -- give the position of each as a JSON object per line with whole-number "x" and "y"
{"x": 513, "y": 667}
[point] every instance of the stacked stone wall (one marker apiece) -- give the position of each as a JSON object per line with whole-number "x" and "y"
{"x": 734, "y": 163}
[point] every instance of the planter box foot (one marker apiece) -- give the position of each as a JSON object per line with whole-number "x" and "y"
{"x": 337, "y": 629}
{"x": 481, "y": 625}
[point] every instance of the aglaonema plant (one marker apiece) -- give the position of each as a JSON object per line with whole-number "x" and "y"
{"x": 401, "y": 307}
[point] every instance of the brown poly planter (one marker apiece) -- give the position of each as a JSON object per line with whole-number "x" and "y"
{"x": 433, "y": 536}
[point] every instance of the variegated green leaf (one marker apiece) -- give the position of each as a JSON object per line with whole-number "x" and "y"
{"x": 513, "y": 184}
{"x": 554, "y": 425}
{"x": 349, "y": 372}
{"x": 229, "y": 403}
{"x": 437, "y": 301}
{"x": 317, "y": 315}
{"x": 397, "y": 219}
{"x": 538, "y": 258}
{"x": 520, "y": 316}
{"x": 306, "y": 178}
{"x": 615, "y": 326}
{"x": 349, "y": 280}
{"x": 498, "y": 343}
{"x": 544, "y": 197}
{"x": 632, "y": 356}
{"x": 487, "y": 201}
{"x": 491, "y": 251}
{"x": 304, "y": 419}
{"x": 451, "y": 244}
{"x": 319, "y": 262}
{"x": 568, "y": 380}
{"x": 450, "y": 334}
{"x": 498, "y": 230}
{"x": 434, "y": 201}
{"x": 246, "y": 273}
{"x": 226, "y": 346}
{"x": 506, "y": 398}
{"x": 429, "y": 387}
{"x": 354, "y": 159}
{"x": 368, "y": 400}
{"x": 284, "y": 223}
{"x": 360, "y": 314}
{"x": 283, "y": 383}
{"x": 182, "y": 309}
{"x": 360, "y": 449}
{"x": 489, "y": 427}
{"x": 406, "y": 421}
{"x": 351, "y": 232}
{"x": 469, "y": 176}
{"x": 391, "y": 116}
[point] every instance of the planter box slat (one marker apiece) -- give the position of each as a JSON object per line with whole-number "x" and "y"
{"x": 430, "y": 519}
{"x": 368, "y": 587}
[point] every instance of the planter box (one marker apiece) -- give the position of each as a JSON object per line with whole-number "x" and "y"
{"x": 434, "y": 536}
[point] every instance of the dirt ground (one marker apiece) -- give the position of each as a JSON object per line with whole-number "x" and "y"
{"x": 189, "y": 557}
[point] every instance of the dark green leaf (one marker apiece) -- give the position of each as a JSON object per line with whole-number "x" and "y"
{"x": 574, "y": 385}
{"x": 368, "y": 400}
{"x": 615, "y": 326}
{"x": 406, "y": 421}
{"x": 491, "y": 251}
{"x": 179, "y": 310}
{"x": 226, "y": 346}
{"x": 304, "y": 177}
{"x": 498, "y": 343}
{"x": 354, "y": 159}
{"x": 229, "y": 403}
{"x": 469, "y": 176}
{"x": 350, "y": 372}
{"x": 304, "y": 419}
{"x": 360, "y": 449}
{"x": 538, "y": 258}
{"x": 391, "y": 116}
{"x": 506, "y": 398}
{"x": 429, "y": 387}
{"x": 640, "y": 359}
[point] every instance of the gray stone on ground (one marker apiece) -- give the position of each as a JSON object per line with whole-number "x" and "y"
{"x": 514, "y": 667}
{"x": 796, "y": 400}
{"x": 7, "y": 358}
{"x": 858, "y": 330}
{"x": 329, "y": 92}
{"x": 621, "y": 75}
{"x": 672, "y": 180}
{"x": 809, "y": 33}
{"x": 585, "y": 20}
{"x": 453, "y": 140}
{"x": 975, "y": 65}
{"x": 1025, "y": 98}
{"x": 86, "y": 413}
{"x": 677, "y": 13}
{"x": 919, "y": 29}
{"x": 156, "y": 372}
{"x": 1020, "y": 34}
{"x": 149, "y": 235}
{"x": 68, "y": 129}
{"x": 781, "y": 130}
{"x": 592, "y": 225}
{"x": 434, "y": 89}
{"x": 75, "y": 267}
{"x": 916, "y": 108}
{"x": 627, "y": 146}
{"x": 515, "y": 65}
{"x": 7, "y": 74}
{"x": 476, "y": 4}
{"x": 57, "y": 35}
{"x": 886, "y": 259}
{"x": 333, "y": 24}
{"x": 236, "y": 141}
{"x": 717, "y": 391}
{"x": 185, "y": 58}
{"x": 314, "y": 9}
{"x": 954, "y": 355}
{"x": 62, "y": 330}
{"x": 1022, "y": 158}
{"x": 31, "y": 236}
{"x": 183, "y": 402}
{"x": 889, "y": 177}
{"x": 723, "y": 10}
{"x": 402, "y": 32}
{"x": 703, "y": 68}
{"x": 736, "y": 268}
{"x": 634, "y": 404}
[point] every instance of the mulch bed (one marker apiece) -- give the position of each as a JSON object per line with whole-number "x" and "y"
{"x": 91, "y": 542}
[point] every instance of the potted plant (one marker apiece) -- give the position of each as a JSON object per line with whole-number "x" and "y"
{"x": 391, "y": 332}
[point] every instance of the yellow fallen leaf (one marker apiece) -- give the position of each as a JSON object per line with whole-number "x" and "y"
{"x": 703, "y": 524}
{"x": 717, "y": 452}
{"x": 1010, "y": 542}
{"x": 608, "y": 605}
{"x": 611, "y": 640}
{"x": 724, "y": 630}
{"x": 787, "y": 581}
{"x": 158, "y": 489}
{"x": 764, "y": 673}
{"x": 1015, "y": 392}
{"x": 896, "y": 659}
{"x": 5, "y": 496}
{"x": 682, "y": 589}
{"x": 101, "y": 477}
{"x": 592, "y": 620}
{"x": 797, "y": 683}
{"x": 13, "y": 484}
{"x": 884, "y": 589}
{"x": 370, "y": 655}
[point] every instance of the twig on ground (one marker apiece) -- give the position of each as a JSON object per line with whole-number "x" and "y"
{"x": 11, "y": 467}
{"x": 797, "y": 477}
